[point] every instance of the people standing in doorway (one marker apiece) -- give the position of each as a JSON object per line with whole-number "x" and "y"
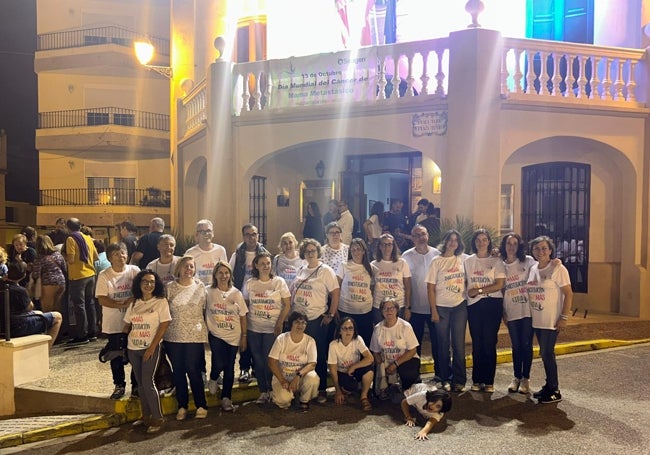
{"x": 486, "y": 276}
{"x": 205, "y": 253}
{"x": 128, "y": 232}
{"x": 147, "y": 248}
{"x": 346, "y": 222}
{"x": 551, "y": 298}
{"x": 419, "y": 259}
{"x": 395, "y": 222}
{"x": 313, "y": 226}
{"x": 374, "y": 226}
{"x": 432, "y": 224}
{"x": 241, "y": 263}
{"x": 331, "y": 215}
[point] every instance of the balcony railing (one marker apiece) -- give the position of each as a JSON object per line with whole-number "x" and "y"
{"x": 104, "y": 116}
{"x": 111, "y": 34}
{"x": 151, "y": 197}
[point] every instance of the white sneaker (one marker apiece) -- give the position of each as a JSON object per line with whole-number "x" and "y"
{"x": 213, "y": 387}
{"x": 514, "y": 385}
{"x": 263, "y": 398}
{"x": 226, "y": 405}
{"x": 201, "y": 413}
{"x": 181, "y": 414}
{"x": 446, "y": 386}
{"x": 524, "y": 386}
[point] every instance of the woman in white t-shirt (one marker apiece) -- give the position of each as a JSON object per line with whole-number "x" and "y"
{"x": 516, "y": 310}
{"x": 550, "y": 297}
{"x": 146, "y": 321}
{"x": 292, "y": 361}
{"x": 356, "y": 280}
{"x": 225, "y": 315}
{"x": 446, "y": 292}
{"x": 432, "y": 404}
{"x": 374, "y": 226}
{"x": 334, "y": 252}
{"x": 394, "y": 347}
{"x": 485, "y": 276}
{"x": 269, "y": 303}
{"x": 287, "y": 263}
{"x": 392, "y": 278}
{"x": 316, "y": 283}
{"x": 350, "y": 363}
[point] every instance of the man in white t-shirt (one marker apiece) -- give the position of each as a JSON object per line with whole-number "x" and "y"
{"x": 346, "y": 221}
{"x": 114, "y": 294}
{"x": 419, "y": 258}
{"x": 205, "y": 253}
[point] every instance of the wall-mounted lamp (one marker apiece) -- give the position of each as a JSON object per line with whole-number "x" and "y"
{"x": 144, "y": 50}
{"x": 320, "y": 169}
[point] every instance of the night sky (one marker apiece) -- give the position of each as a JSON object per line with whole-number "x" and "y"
{"x": 18, "y": 99}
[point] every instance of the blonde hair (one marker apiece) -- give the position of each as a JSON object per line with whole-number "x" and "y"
{"x": 3, "y": 256}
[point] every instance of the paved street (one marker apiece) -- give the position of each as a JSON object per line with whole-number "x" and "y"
{"x": 605, "y": 410}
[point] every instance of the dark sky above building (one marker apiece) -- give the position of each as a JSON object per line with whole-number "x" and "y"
{"x": 19, "y": 99}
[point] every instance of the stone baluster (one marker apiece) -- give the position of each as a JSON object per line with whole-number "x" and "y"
{"x": 631, "y": 83}
{"x": 504, "y": 73}
{"x": 595, "y": 81}
{"x": 425, "y": 73}
{"x": 518, "y": 76}
{"x": 410, "y": 79}
{"x": 440, "y": 76}
{"x": 381, "y": 82}
{"x": 619, "y": 83}
{"x": 570, "y": 78}
{"x": 530, "y": 74}
{"x": 257, "y": 93}
{"x": 607, "y": 82}
{"x": 557, "y": 77}
{"x": 395, "y": 94}
{"x": 267, "y": 87}
{"x": 246, "y": 96}
{"x": 582, "y": 79}
{"x": 543, "y": 73}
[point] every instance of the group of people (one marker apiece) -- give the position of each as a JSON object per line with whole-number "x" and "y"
{"x": 313, "y": 308}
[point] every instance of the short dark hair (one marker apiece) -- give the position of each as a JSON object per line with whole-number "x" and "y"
{"x": 433, "y": 396}
{"x": 248, "y": 226}
{"x": 306, "y": 242}
{"x": 294, "y": 316}
{"x": 543, "y": 238}
{"x": 355, "y": 332}
{"x": 475, "y": 236}
{"x": 16, "y": 271}
{"x": 110, "y": 249}
{"x": 264, "y": 254}
{"x": 158, "y": 290}
{"x": 128, "y": 226}
{"x": 423, "y": 201}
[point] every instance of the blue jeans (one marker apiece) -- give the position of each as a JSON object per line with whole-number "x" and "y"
{"x": 521, "y": 338}
{"x": 319, "y": 333}
{"x": 418, "y": 321}
{"x": 484, "y": 319}
{"x": 223, "y": 359}
{"x": 80, "y": 295}
{"x": 260, "y": 345}
{"x": 450, "y": 330}
{"x": 187, "y": 360}
{"x": 547, "y": 339}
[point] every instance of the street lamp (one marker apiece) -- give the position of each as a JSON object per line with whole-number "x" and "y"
{"x": 144, "y": 51}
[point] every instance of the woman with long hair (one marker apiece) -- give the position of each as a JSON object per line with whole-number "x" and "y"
{"x": 145, "y": 322}
{"x": 313, "y": 226}
{"x": 392, "y": 278}
{"x": 50, "y": 267}
{"x": 356, "y": 280}
{"x": 269, "y": 303}
{"x": 225, "y": 314}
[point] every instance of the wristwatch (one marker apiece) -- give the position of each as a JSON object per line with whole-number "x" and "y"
{"x": 480, "y": 290}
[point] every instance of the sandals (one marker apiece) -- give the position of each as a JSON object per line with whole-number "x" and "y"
{"x": 365, "y": 405}
{"x": 304, "y": 406}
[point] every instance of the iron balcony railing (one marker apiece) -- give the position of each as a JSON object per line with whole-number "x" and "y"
{"x": 103, "y": 116}
{"x": 94, "y": 36}
{"x": 150, "y": 197}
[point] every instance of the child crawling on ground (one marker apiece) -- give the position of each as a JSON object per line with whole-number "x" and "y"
{"x": 429, "y": 402}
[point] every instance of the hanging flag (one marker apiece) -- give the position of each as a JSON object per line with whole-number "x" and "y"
{"x": 390, "y": 23}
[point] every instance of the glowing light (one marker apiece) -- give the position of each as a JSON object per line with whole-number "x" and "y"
{"x": 143, "y": 51}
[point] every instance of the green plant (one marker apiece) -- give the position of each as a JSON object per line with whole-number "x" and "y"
{"x": 183, "y": 242}
{"x": 467, "y": 227}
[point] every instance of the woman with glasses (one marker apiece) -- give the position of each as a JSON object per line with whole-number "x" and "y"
{"x": 292, "y": 361}
{"x": 394, "y": 347}
{"x": 392, "y": 278}
{"x": 350, "y": 363}
{"x": 356, "y": 280}
{"x": 334, "y": 252}
{"x": 485, "y": 275}
{"x": 225, "y": 314}
{"x": 145, "y": 322}
{"x": 446, "y": 291}
{"x": 316, "y": 283}
{"x": 186, "y": 335}
{"x": 269, "y": 303}
{"x": 551, "y": 297}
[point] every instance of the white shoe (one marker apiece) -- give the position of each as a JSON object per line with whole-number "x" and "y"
{"x": 524, "y": 386}
{"x": 213, "y": 387}
{"x": 263, "y": 398}
{"x": 181, "y": 414}
{"x": 226, "y": 405}
{"x": 514, "y": 385}
{"x": 201, "y": 413}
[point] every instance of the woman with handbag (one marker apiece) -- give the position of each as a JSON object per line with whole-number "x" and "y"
{"x": 50, "y": 269}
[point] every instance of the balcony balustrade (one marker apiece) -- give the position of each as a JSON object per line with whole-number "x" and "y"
{"x": 103, "y": 116}
{"x": 150, "y": 197}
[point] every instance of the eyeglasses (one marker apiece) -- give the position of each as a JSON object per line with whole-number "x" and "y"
{"x": 148, "y": 282}
{"x": 347, "y": 329}
{"x": 311, "y": 251}
{"x": 541, "y": 248}
{"x": 334, "y": 233}
{"x": 204, "y": 231}
{"x": 390, "y": 308}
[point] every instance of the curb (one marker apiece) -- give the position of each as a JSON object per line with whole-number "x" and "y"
{"x": 128, "y": 410}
